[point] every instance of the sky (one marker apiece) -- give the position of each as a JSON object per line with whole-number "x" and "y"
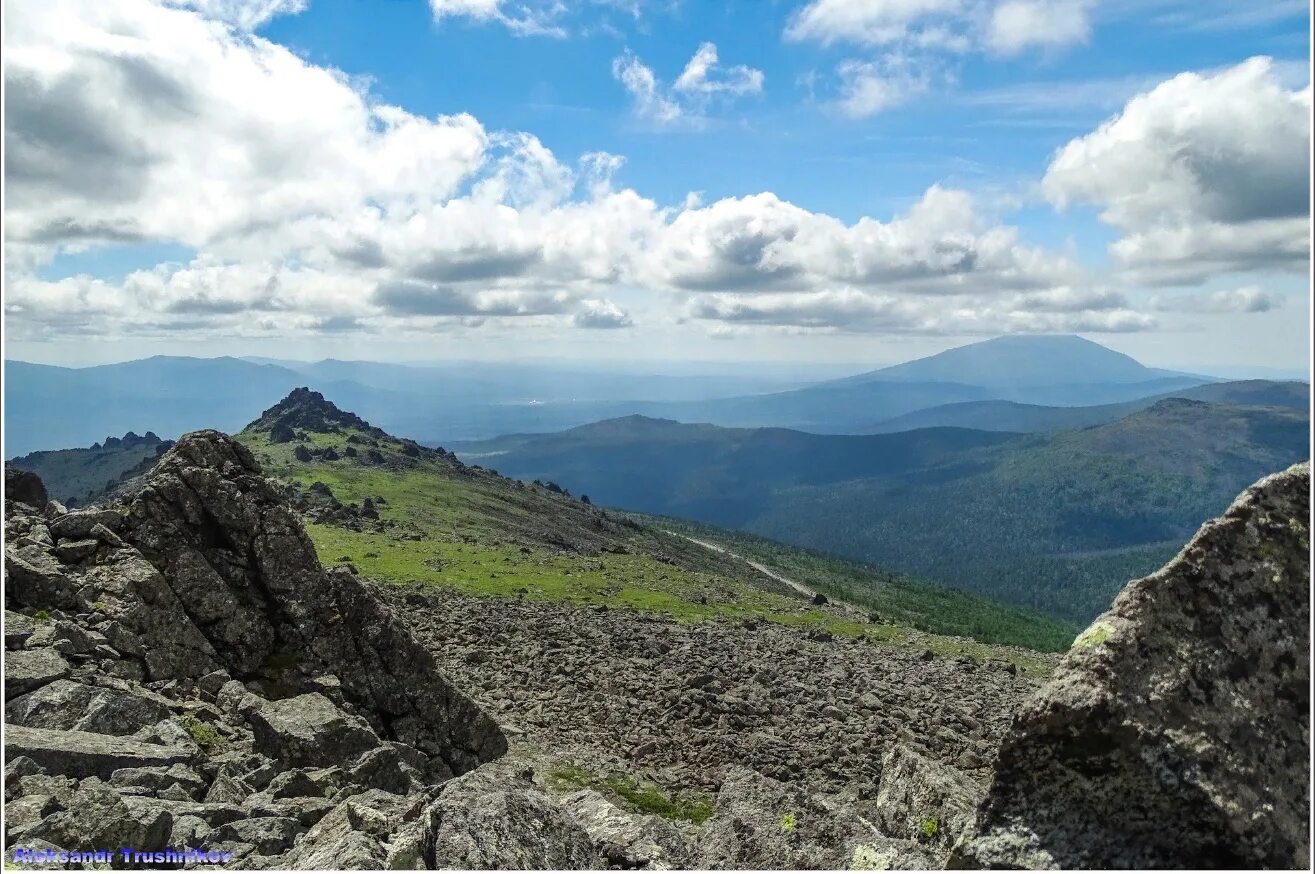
{"x": 780, "y": 180}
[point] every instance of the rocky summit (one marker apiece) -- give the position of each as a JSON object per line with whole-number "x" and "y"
{"x": 182, "y": 671}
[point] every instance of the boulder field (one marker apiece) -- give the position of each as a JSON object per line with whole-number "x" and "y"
{"x": 181, "y": 671}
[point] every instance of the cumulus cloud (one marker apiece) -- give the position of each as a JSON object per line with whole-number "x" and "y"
{"x": 1202, "y": 174}
{"x": 940, "y": 246}
{"x": 601, "y": 314}
{"x": 313, "y": 206}
{"x": 912, "y": 40}
{"x": 852, "y": 310}
{"x": 686, "y": 100}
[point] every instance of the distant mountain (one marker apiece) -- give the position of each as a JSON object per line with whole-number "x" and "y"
{"x": 50, "y": 407}
{"x": 1057, "y": 522}
{"x": 75, "y": 476}
{"x": 58, "y": 407}
{"x": 709, "y": 473}
{"x": 1024, "y": 361}
{"x": 1012, "y": 416}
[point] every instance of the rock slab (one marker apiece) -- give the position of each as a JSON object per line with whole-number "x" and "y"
{"x": 1176, "y": 731}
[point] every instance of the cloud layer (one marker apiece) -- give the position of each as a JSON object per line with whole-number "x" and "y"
{"x": 312, "y": 206}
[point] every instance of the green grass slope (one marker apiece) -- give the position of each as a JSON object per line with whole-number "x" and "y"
{"x": 1057, "y": 522}
{"x": 443, "y": 523}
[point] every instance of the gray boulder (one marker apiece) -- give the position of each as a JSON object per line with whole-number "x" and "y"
{"x": 25, "y": 487}
{"x": 759, "y": 823}
{"x": 83, "y": 754}
{"x": 310, "y": 730}
{"x": 1175, "y": 733}
{"x": 98, "y": 818}
{"x": 28, "y": 669}
{"x": 34, "y": 578}
{"x": 924, "y": 800}
{"x": 67, "y": 705}
{"x": 269, "y": 835}
{"x": 18, "y": 628}
{"x": 627, "y": 840}
{"x": 355, "y": 834}
{"x": 495, "y": 818}
{"x": 159, "y": 779}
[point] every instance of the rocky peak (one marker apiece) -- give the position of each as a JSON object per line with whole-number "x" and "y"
{"x": 307, "y": 410}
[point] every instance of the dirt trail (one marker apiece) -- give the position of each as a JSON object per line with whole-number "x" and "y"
{"x": 799, "y": 587}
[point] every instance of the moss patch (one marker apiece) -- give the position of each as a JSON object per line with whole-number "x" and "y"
{"x": 637, "y": 795}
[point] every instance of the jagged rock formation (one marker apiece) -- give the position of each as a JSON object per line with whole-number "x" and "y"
{"x": 1176, "y": 732}
{"x": 306, "y": 410}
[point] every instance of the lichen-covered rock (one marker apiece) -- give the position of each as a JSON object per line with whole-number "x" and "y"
{"x": 627, "y": 840}
{"x": 762, "y": 824}
{"x": 310, "y": 730}
{"x": 1175, "y": 733}
{"x": 494, "y": 818}
{"x": 83, "y": 754}
{"x": 67, "y": 705}
{"x": 355, "y": 834}
{"x": 924, "y": 800}
{"x": 18, "y": 628}
{"x": 98, "y": 818}
{"x": 29, "y": 669}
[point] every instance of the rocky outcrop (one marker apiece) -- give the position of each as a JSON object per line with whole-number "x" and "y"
{"x": 233, "y": 584}
{"x": 24, "y": 487}
{"x": 1176, "y": 732}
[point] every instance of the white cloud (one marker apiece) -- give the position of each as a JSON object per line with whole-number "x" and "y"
{"x": 1203, "y": 174}
{"x": 553, "y": 18}
{"x": 602, "y": 315}
{"x": 244, "y": 14}
{"x": 650, "y": 102}
{"x": 761, "y": 243}
{"x": 880, "y": 22}
{"x": 703, "y": 75}
{"x": 915, "y": 43}
{"x": 867, "y": 88}
{"x": 315, "y": 207}
{"x": 852, "y": 310}
{"x": 1017, "y": 25}
{"x": 688, "y": 99}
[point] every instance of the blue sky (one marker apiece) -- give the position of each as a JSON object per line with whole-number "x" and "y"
{"x": 803, "y": 147}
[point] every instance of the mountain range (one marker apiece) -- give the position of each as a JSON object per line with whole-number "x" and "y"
{"x": 1057, "y": 522}
{"x": 49, "y": 407}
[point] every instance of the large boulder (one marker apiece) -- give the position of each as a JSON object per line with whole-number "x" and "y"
{"x": 494, "y": 818}
{"x": 83, "y": 754}
{"x": 310, "y": 730}
{"x": 29, "y": 669}
{"x": 67, "y": 705}
{"x": 763, "y": 824}
{"x": 925, "y": 800}
{"x": 233, "y": 552}
{"x": 1175, "y": 733}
